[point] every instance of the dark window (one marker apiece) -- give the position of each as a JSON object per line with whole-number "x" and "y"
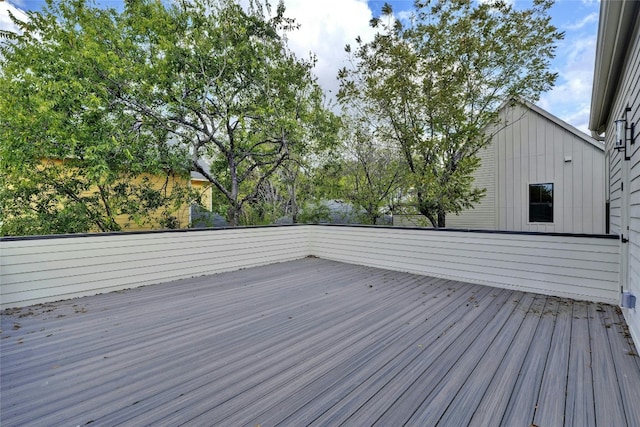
{"x": 541, "y": 203}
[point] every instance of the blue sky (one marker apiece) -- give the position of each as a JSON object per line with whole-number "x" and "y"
{"x": 327, "y": 25}
{"x": 570, "y": 99}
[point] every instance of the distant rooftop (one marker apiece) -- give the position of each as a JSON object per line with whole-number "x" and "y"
{"x": 318, "y": 342}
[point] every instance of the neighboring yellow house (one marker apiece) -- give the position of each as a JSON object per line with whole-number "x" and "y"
{"x": 196, "y": 182}
{"x": 203, "y": 187}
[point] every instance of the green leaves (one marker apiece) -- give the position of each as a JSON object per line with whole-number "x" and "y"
{"x": 222, "y": 82}
{"x": 72, "y": 151}
{"x": 374, "y": 172}
{"x": 93, "y": 103}
{"x": 436, "y": 85}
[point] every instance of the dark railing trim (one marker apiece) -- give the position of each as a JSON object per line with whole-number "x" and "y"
{"x": 190, "y": 230}
{"x": 472, "y": 230}
{"x": 127, "y": 233}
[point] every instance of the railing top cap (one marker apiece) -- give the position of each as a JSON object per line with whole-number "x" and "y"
{"x": 377, "y": 227}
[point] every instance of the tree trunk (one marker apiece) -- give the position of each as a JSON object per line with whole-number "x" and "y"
{"x": 233, "y": 215}
{"x": 294, "y": 204}
{"x": 438, "y": 221}
{"x": 424, "y": 210}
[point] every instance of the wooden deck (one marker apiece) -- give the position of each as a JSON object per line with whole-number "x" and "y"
{"x": 316, "y": 342}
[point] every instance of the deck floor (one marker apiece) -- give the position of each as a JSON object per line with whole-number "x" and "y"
{"x": 316, "y": 342}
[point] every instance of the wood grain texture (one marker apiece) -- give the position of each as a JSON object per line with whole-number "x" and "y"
{"x": 317, "y": 342}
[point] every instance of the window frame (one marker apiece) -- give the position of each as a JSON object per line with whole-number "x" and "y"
{"x": 529, "y": 203}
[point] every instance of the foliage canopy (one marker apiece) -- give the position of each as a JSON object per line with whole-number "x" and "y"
{"x": 436, "y": 83}
{"x": 75, "y": 158}
{"x": 103, "y": 114}
{"x": 158, "y": 89}
{"x": 221, "y": 80}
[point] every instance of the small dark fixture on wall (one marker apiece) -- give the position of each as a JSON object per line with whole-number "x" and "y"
{"x": 628, "y": 300}
{"x": 624, "y": 134}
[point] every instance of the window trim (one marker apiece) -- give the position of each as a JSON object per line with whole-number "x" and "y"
{"x": 553, "y": 213}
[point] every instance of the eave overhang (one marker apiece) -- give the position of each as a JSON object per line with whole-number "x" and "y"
{"x": 617, "y": 20}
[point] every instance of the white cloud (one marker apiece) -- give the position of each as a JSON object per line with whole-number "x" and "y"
{"x": 591, "y": 18}
{"x": 6, "y": 23}
{"x": 405, "y": 15}
{"x": 325, "y": 28}
{"x": 570, "y": 99}
{"x": 580, "y": 118}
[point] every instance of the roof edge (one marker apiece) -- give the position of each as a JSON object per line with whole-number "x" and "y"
{"x": 615, "y": 28}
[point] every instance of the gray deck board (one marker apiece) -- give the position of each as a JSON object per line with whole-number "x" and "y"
{"x": 439, "y": 381}
{"x": 464, "y": 405}
{"x": 316, "y": 342}
{"x": 448, "y": 387}
{"x": 523, "y": 400}
{"x": 496, "y": 397}
{"x": 407, "y": 390}
{"x": 624, "y": 360}
{"x": 579, "y": 409}
{"x": 605, "y": 380}
{"x": 550, "y": 409}
{"x": 369, "y": 383}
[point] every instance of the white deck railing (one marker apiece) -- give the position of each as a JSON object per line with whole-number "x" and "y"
{"x": 37, "y": 270}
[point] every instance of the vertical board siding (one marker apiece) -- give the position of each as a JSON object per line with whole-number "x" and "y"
{"x": 41, "y": 270}
{"x": 568, "y": 266}
{"x": 628, "y": 94}
{"x": 483, "y": 215}
{"x": 615, "y": 181}
{"x": 542, "y": 146}
{"x": 530, "y": 148}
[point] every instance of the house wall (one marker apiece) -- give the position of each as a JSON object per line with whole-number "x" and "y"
{"x": 531, "y": 149}
{"x": 166, "y": 183}
{"x": 625, "y": 184}
{"x": 485, "y": 214}
{"x": 37, "y": 270}
{"x": 205, "y": 190}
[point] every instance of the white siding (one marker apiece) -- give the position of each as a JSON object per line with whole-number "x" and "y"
{"x": 529, "y": 148}
{"x": 571, "y": 266}
{"x": 533, "y": 150}
{"x": 35, "y": 271}
{"x": 615, "y": 188}
{"x": 628, "y": 94}
{"x": 484, "y": 214}
{"x": 41, "y": 270}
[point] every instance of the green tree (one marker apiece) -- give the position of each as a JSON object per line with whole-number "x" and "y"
{"x": 437, "y": 83}
{"x": 294, "y": 193}
{"x": 222, "y": 81}
{"x": 73, "y": 158}
{"x": 373, "y": 173}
